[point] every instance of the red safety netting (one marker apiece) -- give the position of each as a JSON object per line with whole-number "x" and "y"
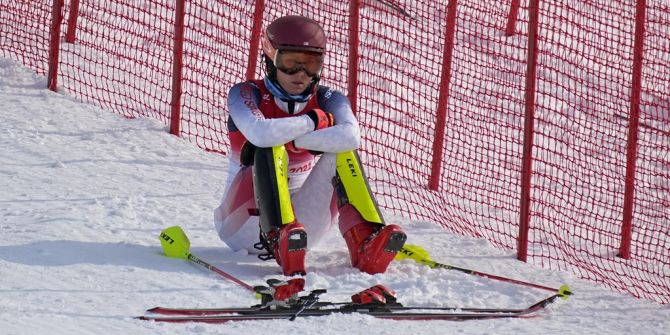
{"x": 583, "y": 101}
{"x": 24, "y": 33}
{"x": 122, "y": 60}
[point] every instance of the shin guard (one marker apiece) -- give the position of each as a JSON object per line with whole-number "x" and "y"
{"x": 283, "y": 236}
{"x": 372, "y": 244}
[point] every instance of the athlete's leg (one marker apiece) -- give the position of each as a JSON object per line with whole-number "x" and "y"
{"x": 314, "y": 202}
{"x": 235, "y": 226}
{"x": 372, "y": 243}
{"x": 282, "y": 233}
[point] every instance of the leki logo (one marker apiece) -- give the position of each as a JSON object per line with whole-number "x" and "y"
{"x": 352, "y": 167}
{"x": 280, "y": 165}
{"x": 167, "y": 238}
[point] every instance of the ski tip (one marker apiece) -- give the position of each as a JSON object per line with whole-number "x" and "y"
{"x": 151, "y": 310}
{"x": 564, "y": 292}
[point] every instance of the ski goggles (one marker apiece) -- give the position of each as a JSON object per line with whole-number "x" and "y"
{"x": 292, "y": 62}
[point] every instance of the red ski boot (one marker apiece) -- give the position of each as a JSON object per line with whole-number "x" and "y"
{"x": 290, "y": 247}
{"x": 372, "y": 246}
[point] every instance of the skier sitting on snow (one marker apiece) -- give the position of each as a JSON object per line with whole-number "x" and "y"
{"x": 293, "y": 166}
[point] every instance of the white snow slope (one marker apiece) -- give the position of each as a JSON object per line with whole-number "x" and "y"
{"x": 85, "y": 194}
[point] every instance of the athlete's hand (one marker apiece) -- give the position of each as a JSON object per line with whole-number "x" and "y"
{"x": 321, "y": 119}
{"x": 290, "y": 147}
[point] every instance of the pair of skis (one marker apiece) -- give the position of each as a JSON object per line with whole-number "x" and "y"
{"x": 175, "y": 244}
{"x": 309, "y": 306}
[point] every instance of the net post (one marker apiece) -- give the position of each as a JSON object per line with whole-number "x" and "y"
{"x": 512, "y": 17}
{"x": 255, "y": 37}
{"x": 71, "y": 32}
{"x": 54, "y": 43}
{"x": 529, "y": 125}
{"x": 352, "y": 77}
{"x": 177, "y": 66}
{"x": 443, "y": 98}
{"x": 633, "y": 131}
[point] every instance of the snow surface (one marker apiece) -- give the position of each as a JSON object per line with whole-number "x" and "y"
{"x": 85, "y": 193}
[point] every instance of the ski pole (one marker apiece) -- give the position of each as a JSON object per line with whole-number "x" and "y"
{"x": 176, "y": 245}
{"x": 421, "y": 256}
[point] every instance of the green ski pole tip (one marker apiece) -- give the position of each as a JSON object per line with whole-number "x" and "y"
{"x": 175, "y": 243}
{"x": 564, "y": 292}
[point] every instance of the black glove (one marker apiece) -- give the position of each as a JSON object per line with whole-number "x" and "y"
{"x": 247, "y": 154}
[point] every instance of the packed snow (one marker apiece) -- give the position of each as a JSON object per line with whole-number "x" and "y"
{"x": 85, "y": 194}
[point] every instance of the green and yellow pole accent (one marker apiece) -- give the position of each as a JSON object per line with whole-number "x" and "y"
{"x": 421, "y": 256}
{"x": 356, "y": 186}
{"x": 176, "y": 244}
{"x": 280, "y": 159}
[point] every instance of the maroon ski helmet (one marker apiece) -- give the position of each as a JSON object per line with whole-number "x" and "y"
{"x": 293, "y": 32}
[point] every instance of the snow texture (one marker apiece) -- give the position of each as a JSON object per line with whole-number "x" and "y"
{"x": 85, "y": 194}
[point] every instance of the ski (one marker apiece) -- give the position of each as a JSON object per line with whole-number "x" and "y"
{"x": 347, "y": 305}
{"x": 218, "y": 315}
{"x": 288, "y": 316}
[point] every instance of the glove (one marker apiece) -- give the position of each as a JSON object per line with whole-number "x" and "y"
{"x": 247, "y": 153}
{"x": 290, "y": 147}
{"x": 321, "y": 119}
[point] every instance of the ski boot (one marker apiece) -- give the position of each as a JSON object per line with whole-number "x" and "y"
{"x": 372, "y": 246}
{"x": 281, "y": 235}
{"x": 289, "y": 248}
